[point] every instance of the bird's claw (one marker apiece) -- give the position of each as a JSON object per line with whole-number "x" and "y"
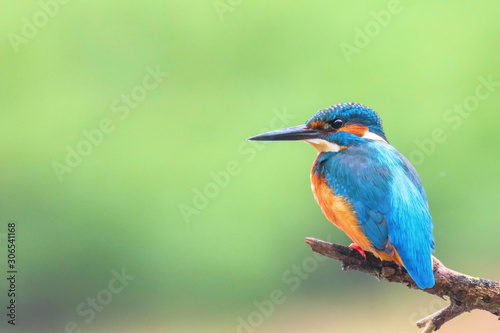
{"x": 358, "y": 248}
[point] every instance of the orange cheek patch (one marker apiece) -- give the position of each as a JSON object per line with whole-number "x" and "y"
{"x": 355, "y": 129}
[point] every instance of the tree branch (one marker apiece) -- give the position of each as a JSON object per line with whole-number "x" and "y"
{"x": 466, "y": 293}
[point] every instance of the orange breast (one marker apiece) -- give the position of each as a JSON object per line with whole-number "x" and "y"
{"x": 341, "y": 213}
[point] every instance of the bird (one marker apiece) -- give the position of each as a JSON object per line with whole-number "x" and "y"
{"x": 366, "y": 188}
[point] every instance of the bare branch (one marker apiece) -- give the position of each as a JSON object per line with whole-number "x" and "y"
{"x": 466, "y": 293}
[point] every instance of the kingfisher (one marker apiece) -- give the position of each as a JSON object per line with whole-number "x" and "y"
{"x": 366, "y": 188}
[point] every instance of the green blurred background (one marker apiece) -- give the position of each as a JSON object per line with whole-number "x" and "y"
{"x": 130, "y": 201}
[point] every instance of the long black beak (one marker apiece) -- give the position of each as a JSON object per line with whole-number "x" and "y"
{"x": 300, "y": 132}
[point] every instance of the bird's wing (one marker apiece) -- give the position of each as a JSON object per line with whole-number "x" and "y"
{"x": 409, "y": 221}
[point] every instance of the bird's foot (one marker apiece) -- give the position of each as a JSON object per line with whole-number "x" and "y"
{"x": 358, "y": 248}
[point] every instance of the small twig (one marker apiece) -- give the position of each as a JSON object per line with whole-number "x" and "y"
{"x": 466, "y": 293}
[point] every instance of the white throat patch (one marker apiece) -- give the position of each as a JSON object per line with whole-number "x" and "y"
{"x": 323, "y": 145}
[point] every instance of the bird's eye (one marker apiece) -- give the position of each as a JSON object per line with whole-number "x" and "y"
{"x": 336, "y": 123}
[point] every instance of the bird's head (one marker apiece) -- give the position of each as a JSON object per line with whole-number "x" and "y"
{"x": 333, "y": 128}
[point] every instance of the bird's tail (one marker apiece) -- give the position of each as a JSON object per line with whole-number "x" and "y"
{"x": 422, "y": 274}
